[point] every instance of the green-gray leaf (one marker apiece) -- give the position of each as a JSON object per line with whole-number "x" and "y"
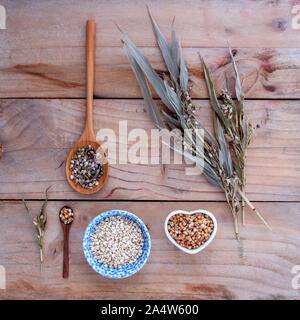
{"x": 211, "y": 175}
{"x": 174, "y": 122}
{"x": 151, "y": 109}
{"x": 237, "y": 170}
{"x": 212, "y": 138}
{"x": 224, "y": 154}
{"x": 145, "y": 65}
{"x": 238, "y": 88}
{"x": 165, "y": 49}
{"x": 173, "y": 98}
{"x": 174, "y": 49}
{"x": 245, "y": 133}
{"x": 228, "y": 86}
{"x": 212, "y": 95}
{"x": 184, "y": 76}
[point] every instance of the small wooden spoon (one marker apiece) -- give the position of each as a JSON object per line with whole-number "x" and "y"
{"x": 66, "y": 229}
{"x": 1, "y": 150}
{"x": 88, "y": 136}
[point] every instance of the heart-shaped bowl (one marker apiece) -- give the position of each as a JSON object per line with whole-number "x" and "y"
{"x": 123, "y": 272}
{"x": 191, "y": 251}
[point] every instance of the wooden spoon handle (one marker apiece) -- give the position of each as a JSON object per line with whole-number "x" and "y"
{"x": 66, "y": 252}
{"x": 90, "y": 75}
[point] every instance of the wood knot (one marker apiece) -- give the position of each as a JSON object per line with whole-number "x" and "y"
{"x": 84, "y": 218}
{"x": 269, "y": 88}
{"x": 279, "y": 24}
{"x": 234, "y": 52}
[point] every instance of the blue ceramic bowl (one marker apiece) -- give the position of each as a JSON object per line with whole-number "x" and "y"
{"x": 115, "y": 273}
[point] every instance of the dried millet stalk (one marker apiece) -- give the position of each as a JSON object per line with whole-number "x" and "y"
{"x": 218, "y": 165}
{"x": 237, "y": 130}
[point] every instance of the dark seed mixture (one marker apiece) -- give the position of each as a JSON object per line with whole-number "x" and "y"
{"x": 86, "y": 167}
{"x": 190, "y": 231}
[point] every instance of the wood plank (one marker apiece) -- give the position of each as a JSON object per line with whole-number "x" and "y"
{"x": 47, "y": 59}
{"x": 60, "y": 71}
{"x": 257, "y": 268}
{"x": 38, "y": 134}
{"x": 200, "y": 24}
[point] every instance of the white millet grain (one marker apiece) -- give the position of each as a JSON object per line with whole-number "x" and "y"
{"x": 117, "y": 242}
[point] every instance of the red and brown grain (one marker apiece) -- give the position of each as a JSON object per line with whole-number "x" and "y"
{"x": 190, "y": 231}
{"x": 66, "y": 215}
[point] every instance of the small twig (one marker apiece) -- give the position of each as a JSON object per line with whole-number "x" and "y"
{"x": 243, "y": 190}
{"x": 254, "y": 209}
{"x": 31, "y": 221}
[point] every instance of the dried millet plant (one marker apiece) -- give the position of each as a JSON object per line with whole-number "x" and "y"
{"x": 218, "y": 166}
{"x": 237, "y": 130}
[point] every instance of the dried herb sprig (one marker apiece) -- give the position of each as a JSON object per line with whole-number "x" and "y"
{"x": 38, "y": 225}
{"x": 211, "y": 153}
{"x": 237, "y": 129}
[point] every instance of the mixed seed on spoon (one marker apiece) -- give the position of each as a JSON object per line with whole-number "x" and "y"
{"x": 86, "y": 167}
{"x": 66, "y": 215}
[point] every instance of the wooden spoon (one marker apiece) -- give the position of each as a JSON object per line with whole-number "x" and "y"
{"x": 88, "y": 136}
{"x": 66, "y": 230}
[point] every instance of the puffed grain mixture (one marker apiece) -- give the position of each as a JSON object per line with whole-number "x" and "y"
{"x": 117, "y": 242}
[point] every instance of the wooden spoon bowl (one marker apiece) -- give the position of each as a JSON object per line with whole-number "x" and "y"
{"x": 77, "y": 187}
{"x": 88, "y": 137}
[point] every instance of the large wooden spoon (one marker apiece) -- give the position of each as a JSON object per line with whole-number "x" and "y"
{"x": 88, "y": 136}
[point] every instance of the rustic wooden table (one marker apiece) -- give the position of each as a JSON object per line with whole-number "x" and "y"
{"x": 42, "y": 90}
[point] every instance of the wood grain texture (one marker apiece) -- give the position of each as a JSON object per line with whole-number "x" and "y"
{"x": 43, "y": 56}
{"x": 47, "y": 59}
{"x": 201, "y": 23}
{"x": 37, "y": 136}
{"x": 59, "y": 72}
{"x": 257, "y": 268}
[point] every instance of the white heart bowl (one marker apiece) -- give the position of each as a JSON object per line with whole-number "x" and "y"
{"x": 191, "y": 251}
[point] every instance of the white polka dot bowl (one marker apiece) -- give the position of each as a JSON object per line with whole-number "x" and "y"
{"x": 116, "y": 273}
